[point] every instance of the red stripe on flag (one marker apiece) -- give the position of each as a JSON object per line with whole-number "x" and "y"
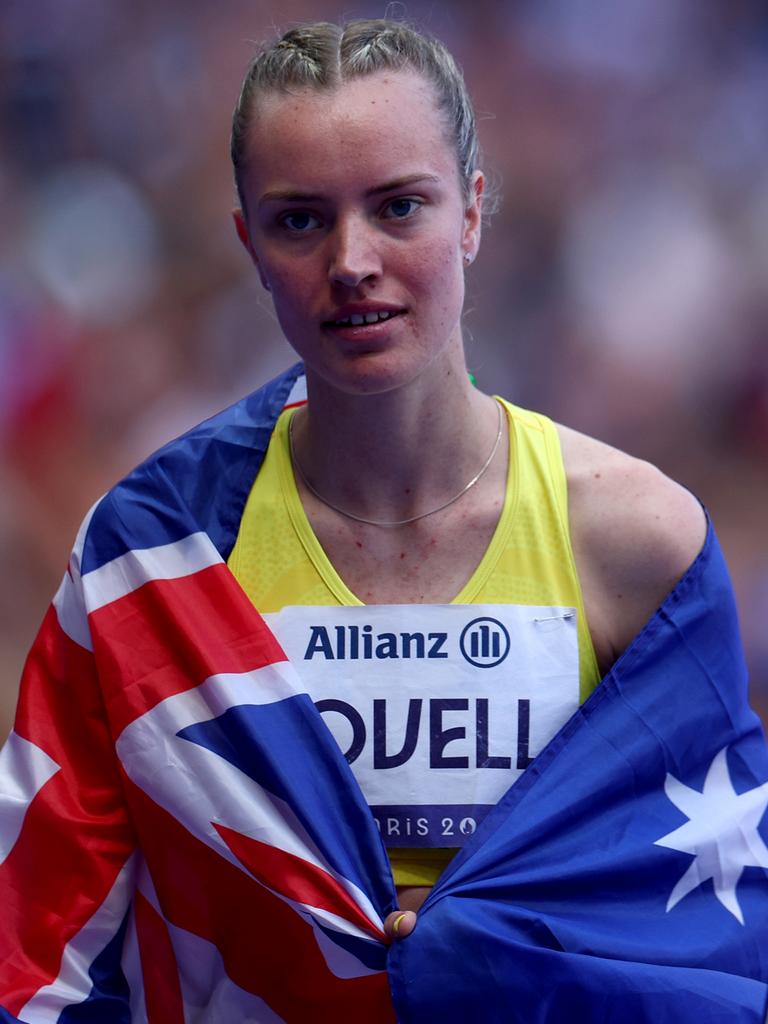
{"x": 159, "y": 970}
{"x": 296, "y": 878}
{"x": 267, "y": 948}
{"x": 75, "y": 837}
{"x": 170, "y": 635}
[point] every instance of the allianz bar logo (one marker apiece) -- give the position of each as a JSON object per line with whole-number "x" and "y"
{"x": 483, "y": 642}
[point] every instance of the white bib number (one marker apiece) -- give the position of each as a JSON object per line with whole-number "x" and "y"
{"x": 437, "y": 708}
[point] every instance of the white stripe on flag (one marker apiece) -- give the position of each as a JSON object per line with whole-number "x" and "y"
{"x": 76, "y": 558}
{"x": 298, "y": 393}
{"x": 132, "y": 570}
{"x": 340, "y": 961}
{"x": 24, "y": 770}
{"x": 162, "y": 764}
{"x": 70, "y": 611}
{"x": 74, "y": 984}
{"x": 134, "y": 975}
{"x": 208, "y": 992}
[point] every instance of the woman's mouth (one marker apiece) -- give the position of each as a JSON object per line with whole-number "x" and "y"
{"x": 357, "y": 319}
{"x": 361, "y": 327}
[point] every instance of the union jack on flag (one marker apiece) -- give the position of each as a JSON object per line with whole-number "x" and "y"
{"x": 175, "y": 832}
{"x": 182, "y": 841}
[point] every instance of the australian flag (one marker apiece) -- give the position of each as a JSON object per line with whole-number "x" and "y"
{"x": 182, "y": 841}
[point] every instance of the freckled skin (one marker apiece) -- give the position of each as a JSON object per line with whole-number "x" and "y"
{"x": 335, "y": 147}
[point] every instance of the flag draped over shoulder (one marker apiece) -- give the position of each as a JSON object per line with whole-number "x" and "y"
{"x": 182, "y": 841}
{"x": 624, "y": 877}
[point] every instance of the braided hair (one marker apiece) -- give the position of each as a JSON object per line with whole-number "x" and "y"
{"x": 322, "y": 56}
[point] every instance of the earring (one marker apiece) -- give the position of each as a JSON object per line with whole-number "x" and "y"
{"x": 467, "y": 258}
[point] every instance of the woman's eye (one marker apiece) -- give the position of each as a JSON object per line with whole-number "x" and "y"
{"x": 400, "y": 209}
{"x": 299, "y": 221}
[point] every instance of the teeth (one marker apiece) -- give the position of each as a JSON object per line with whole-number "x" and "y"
{"x": 359, "y": 318}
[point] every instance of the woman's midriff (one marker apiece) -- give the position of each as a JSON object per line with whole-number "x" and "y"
{"x": 411, "y": 897}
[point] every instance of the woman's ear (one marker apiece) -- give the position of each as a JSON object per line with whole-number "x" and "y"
{"x": 241, "y": 227}
{"x": 473, "y": 217}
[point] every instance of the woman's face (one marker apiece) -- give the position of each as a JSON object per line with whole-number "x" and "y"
{"x": 357, "y": 223}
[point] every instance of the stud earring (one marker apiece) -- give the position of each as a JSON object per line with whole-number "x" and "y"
{"x": 467, "y": 258}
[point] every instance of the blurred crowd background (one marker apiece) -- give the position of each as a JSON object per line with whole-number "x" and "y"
{"x": 622, "y": 286}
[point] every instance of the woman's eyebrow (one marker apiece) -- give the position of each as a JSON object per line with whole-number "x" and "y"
{"x": 288, "y": 196}
{"x": 408, "y": 179}
{"x": 295, "y": 196}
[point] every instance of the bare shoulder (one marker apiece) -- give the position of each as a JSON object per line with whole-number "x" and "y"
{"x": 634, "y": 533}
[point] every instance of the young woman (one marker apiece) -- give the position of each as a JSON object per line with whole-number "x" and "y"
{"x": 450, "y": 577}
{"x": 361, "y": 200}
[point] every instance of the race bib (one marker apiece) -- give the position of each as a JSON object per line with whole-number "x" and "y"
{"x": 437, "y": 708}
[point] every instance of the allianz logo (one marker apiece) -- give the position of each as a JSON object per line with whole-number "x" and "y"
{"x": 483, "y": 642}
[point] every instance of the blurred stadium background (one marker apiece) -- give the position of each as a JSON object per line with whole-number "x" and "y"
{"x": 622, "y": 287}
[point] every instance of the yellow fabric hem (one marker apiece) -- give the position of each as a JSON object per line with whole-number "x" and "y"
{"x": 419, "y": 867}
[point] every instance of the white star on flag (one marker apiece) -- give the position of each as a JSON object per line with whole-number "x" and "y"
{"x": 721, "y": 833}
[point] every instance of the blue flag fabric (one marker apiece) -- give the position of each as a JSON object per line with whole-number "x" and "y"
{"x": 561, "y": 908}
{"x": 164, "y": 743}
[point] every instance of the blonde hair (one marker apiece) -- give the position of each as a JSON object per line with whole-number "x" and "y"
{"x": 322, "y": 56}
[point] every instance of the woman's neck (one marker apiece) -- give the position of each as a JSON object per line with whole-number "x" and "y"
{"x": 392, "y": 455}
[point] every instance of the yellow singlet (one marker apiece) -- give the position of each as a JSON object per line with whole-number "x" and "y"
{"x": 278, "y": 560}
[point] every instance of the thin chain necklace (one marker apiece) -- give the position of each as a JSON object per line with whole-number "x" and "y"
{"x": 397, "y": 522}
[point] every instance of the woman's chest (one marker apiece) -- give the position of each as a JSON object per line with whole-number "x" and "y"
{"x": 420, "y": 564}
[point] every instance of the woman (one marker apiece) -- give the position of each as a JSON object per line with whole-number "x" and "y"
{"x": 450, "y": 577}
{"x": 360, "y": 196}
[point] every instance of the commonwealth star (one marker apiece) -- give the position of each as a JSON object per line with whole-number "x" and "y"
{"x": 721, "y": 833}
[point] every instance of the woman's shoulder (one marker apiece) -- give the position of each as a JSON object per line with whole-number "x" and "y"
{"x": 634, "y": 532}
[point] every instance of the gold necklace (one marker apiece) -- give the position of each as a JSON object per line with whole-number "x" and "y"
{"x": 397, "y": 522}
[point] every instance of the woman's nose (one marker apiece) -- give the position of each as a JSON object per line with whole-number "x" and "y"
{"x": 354, "y": 257}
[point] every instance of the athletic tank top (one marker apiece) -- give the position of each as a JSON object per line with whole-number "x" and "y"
{"x": 526, "y": 581}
